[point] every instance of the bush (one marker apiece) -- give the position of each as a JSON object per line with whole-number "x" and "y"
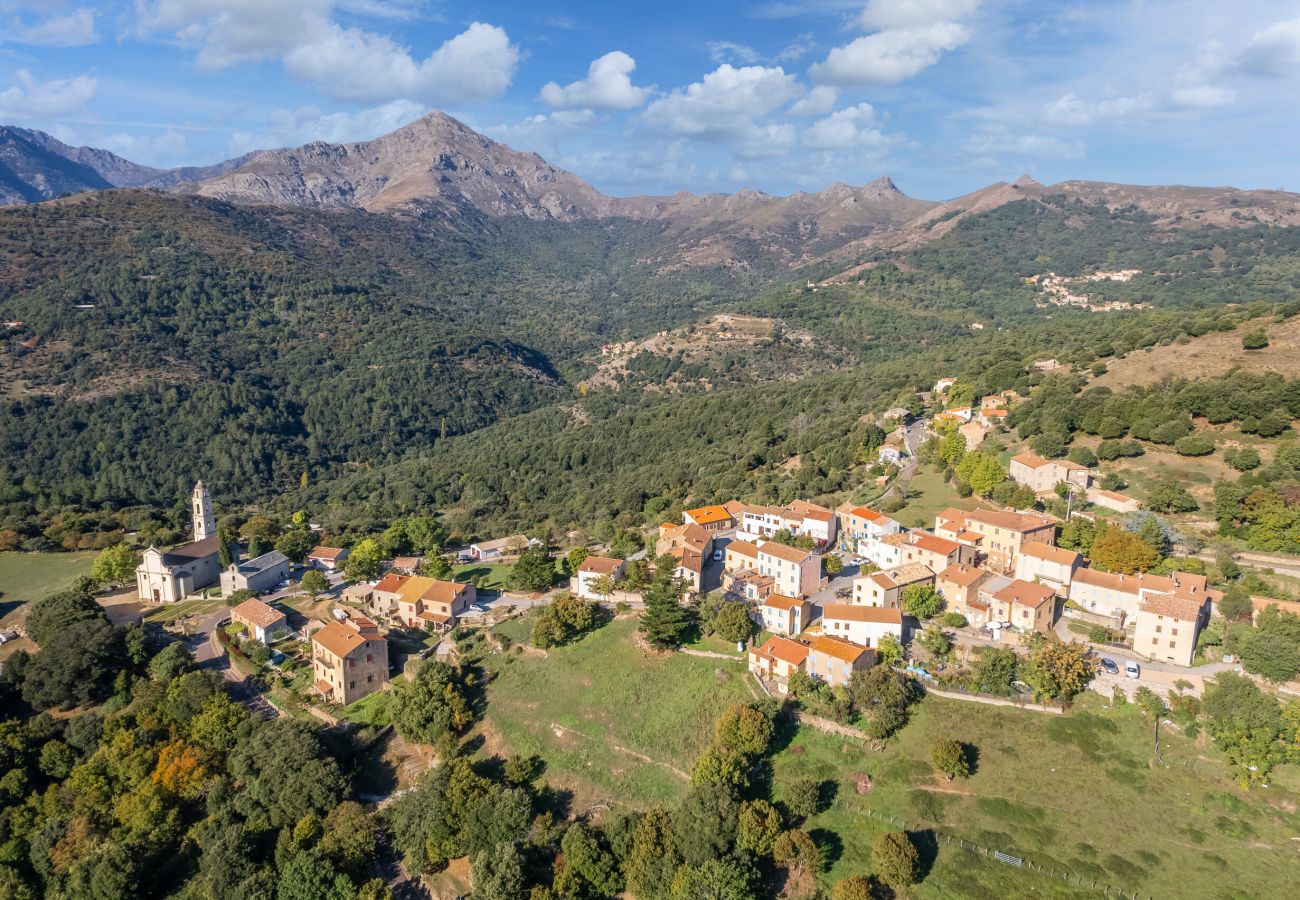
{"x": 1254, "y": 340}
{"x": 1083, "y": 456}
{"x": 895, "y": 859}
{"x": 953, "y": 620}
{"x": 1244, "y": 460}
{"x": 950, "y": 758}
{"x": 1194, "y": 445}
{"x": 803, "y": 797}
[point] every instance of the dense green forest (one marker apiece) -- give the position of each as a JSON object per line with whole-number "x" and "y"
{"x": 371, "y": 365}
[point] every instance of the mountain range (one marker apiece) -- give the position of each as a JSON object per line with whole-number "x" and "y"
{"x": 439, "y": 169}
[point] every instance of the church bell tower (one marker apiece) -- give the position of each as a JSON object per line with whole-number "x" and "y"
{"x": 205, "y": 523}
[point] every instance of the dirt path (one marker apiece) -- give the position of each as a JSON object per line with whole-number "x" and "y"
{"x": 561, "y": 730}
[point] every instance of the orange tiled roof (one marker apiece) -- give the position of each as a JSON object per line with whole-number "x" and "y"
{"x": 257, "y": 613}
{"x": 326, "y": 553}
{"x": 837, "y": 648}
{"x": 852, "y": 612}
{"x": 961, "y": 575}
{"x": 784, "y": 551}
{"x": 338, "y": 639}
{"x": 784, "y": 649}
{"x": 709, "y": 515}
{"x": 782, "y": 602}
{"x": 600, "y": 565}
{"x": 1025, "y": 593}
{"x": 444, "y": 591}
{"x": 390, "y": 583}
{"x": 1050, "y": 553}
{"x": 1184, "y": 609}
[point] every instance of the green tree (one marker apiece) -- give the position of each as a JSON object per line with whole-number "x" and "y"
{"x": 653, "y": 858}
{"x": 296, "y": 543}
{"x": 314, "y": 582}
{"x": 1246, "y": 459}
{"x": 365, "y": 561}
{"x": 1117, "y": 550}
{"x": 431, "y": 707}
{"x": 1254, "y": 340}
{"x": 888, "y": 651}
{"x": 833, "y": 565}
{"x": 732, "y": 622}
{"x": 743, "y": 730}
{"x": 1194, "y": 445}
{"x": 308, "y": 876}
{"x": 758, "y": 827}
{"x": 1059, "y": 670}
{"x": 534, "y": 571}
{"x": 587, "y": 858}
{"x": 855, "y": 887}
{"x": 714, "y": 879}
{"x": 1245, "y": 723}
{"x": 59, "y": 610}
{"x": 995, "y": 669}
{"x": 666, "y": 623}
{"x": 435, "y": 566}
{"x": 804, "y": 797}
{"x": 573, "y": 559}
{"x": 170, "y": 662}
{"x": 76, "y": 668}
{"x": 115, "y": 565}
{"x": 950, "y": 758}
{"x": 498, "y": 873}
{"x": 795, "y": 851}
{"x": 922, "y": 601}
{"x": 895, "y": 860}
{"x": 1170, "y": 496}
{"x": 935, "y": 642}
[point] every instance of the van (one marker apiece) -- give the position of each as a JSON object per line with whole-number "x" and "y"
{"x": 1132, "y": 669}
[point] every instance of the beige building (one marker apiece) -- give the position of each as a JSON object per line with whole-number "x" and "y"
{"x": 711, "y": 518}
{"x": 885, "y": 589}
{"x": 998, "y": 534}
{"x": 676, "y": 537}
{"x": 1051, "y": 565}
{"x": 349, "y": 660}
{"x": 959, "y": 586}
{"x": 430, "y": 603}
{"x": 834, "y": 661}
{"x": 261, "y": 622}
{"x": 1043, "y": 475}
{"x": 861, "y": 625}
{"x": 1113, "y": 500}
{"x": 169, "y": 576}
{"x": 263, "y": 574}
{"x": 784, "y": 615}
{"x": 327, "y": 559}
{"x": 1167, "y": 626}
{"x": 1119, "y": 596}
{"x": 795, "y": 572}
{"x": 777, "y": 660}
{"x": 858, "y": 522}
{"x": 1024, "y": 605}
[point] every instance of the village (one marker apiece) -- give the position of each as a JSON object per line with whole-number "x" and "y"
{"x": 829, "y": 592}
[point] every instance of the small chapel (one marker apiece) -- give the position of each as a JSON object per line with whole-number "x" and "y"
{"x": 168, "y": 576}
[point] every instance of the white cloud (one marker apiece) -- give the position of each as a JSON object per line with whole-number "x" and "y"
{"x": 1024, "y": 145}
{"x": 33, "y": 99}
{"x": 882, "y": 14}
{"x": 1203, "y": 95}
{"x": 887, "y": 57}
{"x": 346, "y": 62}
{"x": 163, "y": 148}
{"x": 724, "y": 107}
{"x": 543, "y": 133}
{"x": 1273, "y": 51}
{"x": 854, "y": 126}
{"x": 728, "y": 51}
{"x": 75, "y": 29}
{"x": 796, "y": 49}
{"x": 1072, "y": 110}
{"x": 608, "y": 85}
{"x": 477, "y": 64}
{"x": 818, "y": 102}
{"x": 308, "y": 123}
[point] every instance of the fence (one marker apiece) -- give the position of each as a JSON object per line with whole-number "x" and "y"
{"x": 1063, "y": 875}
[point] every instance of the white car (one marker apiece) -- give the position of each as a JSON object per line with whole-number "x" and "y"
{"x": 1132, "y": 669}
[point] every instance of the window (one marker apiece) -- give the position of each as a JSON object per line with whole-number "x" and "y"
{"x": 1174, "y": 632}
{"x": 1155, "y": 641}
{"x": 351, "y": 685}
{"x": 1172, "y": 644}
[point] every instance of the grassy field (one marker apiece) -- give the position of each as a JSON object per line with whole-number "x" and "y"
{"x": 1211, "y": 355}
{"x": 1081, "y": 794}
{"x": 170, "y": 612}
{"x": 32, "y": 576}
{"x": 927, "y": 494}
{"x": 616, "y": 725}
{"x": 494, "y": 575}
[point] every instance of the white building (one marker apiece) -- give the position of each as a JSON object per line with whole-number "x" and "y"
{"x": 170, "y": 576}
{"x": 862, "y": 625}
{"x": 1046, "y": 564}
{"x": 262, "y": 574}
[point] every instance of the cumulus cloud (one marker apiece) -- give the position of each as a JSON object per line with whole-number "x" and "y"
{"x": 724, "y": 107}
{"x": 818, "y": 102}
{"x": 1023, "y": 145}
{"x": 31, "y": 98}
{"x": 1202, "y": 96}
{"x": 854, "y": 126}
{"x": 309, "y": 123}
{"x": 608, "y": 85}
{"x": 346, "y": 62}
{"x": 1273, "y": 51}
{"x": 890, "y": 56}
{"x": 879, "y": 15}
{"x": 73, "y": 29}
{"x": 1070, "y": 109}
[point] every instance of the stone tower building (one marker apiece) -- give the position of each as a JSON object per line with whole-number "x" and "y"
{"x": 205, "y": 524}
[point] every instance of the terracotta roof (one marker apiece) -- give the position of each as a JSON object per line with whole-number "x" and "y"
{"x": 708, "y": 515}
{"x": 735, "y": 507}
{"x": 255, "y": 612}
{"x": 782, "y": 602}
{"x": 1034, "y": 461}
{"x": 961, "y": 575}
{"x": 338, "y": 639}
{"x": 322, "y": 686}
{"x": 406, "y": 562}
{"x": 852, "y": 612}
{"x": 1012, "y": 521}
{"x": 390, "y": 583}
{"x": 932, "y": 543}
{"x": 744, "y": 548}
{"x": 1050, "y": 553}
{"x": 837, "y": 648}
{"x": 1124, "y": 584}
{"x": 784, "y": 649}
{"x": 784, "y": 551}
{"x": 689, "y": 559}
{"x": 970, "y": 537}
{"x": 412, "y": 589}
{"x": 1025, "y": 593}
{"x": 1113, "y": 495}
{"x": 434, "y": 617}
{"x": 444, "y": 591}
{"x": 1185, "y": 609}
{"x": 600, "y": 565}
{"x": 326, "y": 553}
{"x": 909, "y": 573}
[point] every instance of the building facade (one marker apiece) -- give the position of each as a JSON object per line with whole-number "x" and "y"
{"x": 349, "y": 660}
{"x": 170, "y": 576}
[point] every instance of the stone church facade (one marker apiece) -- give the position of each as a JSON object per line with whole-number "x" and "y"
{"x": 168, "y": 576}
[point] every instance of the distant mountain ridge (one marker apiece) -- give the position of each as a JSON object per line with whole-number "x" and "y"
{"x": 438, "y": 168}
{"x": 35, "y": 166}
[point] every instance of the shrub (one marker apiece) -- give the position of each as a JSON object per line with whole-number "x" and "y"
{"x": 950, "y": 758}
{"x": 953, "y": 620}
{"x": 803, "y": 797}
{"x": 1194, "y": 445}
{"x": 895, "y": 859}
{"x": 1254, "y": 340}
{"x": 1244, "y": 460}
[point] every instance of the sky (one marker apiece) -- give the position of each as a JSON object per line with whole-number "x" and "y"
{"x": 944, "y": 96}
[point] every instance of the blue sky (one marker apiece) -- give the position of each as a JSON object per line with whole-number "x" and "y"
{"x": 945, "y": 96}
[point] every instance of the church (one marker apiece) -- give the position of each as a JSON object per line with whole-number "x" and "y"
{"x": 169, "y": 576}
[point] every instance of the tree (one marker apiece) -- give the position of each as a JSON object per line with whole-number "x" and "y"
{"x": 855, "y": 887}
{"x": 296, "y": 543}
{"x": 895, "y": 860}
{"x": 431, "y": 707}
{"x": 574, "y": 558}
{"x": 171, "y": 662}
{"x": 935, "y": 642}
{"x": 1083, "y": 456}
{"x": 115, "y": 565}
{"x": 743, "y": 729}
{"x": 950, "y": 758}
{"x": 833, "y": 565}
{"x": 314, "y": 582}
{"x": 498, "y": 873}
{"x": 758, "y": 827}
{"x": 714, "y": 879}
{"x": 666, "y": 623}
{"x": 1245, "y": 723}
{"x": 435, "y": 566}
{"x": 1194, "y": 445}
{"x": 1117, "y": 550}
{"x": 50, "y": 616}
{"x": 888, "y": 650}
{"x": 1254, "y": 340}
{"x": 922, "y": 601}
{"x": 803, "y": 797}
{"x": 732, "y": 622}
{"x": 1274, "y": 656}
{"x": 653, "y": 858}
{"x": 534, "y": 571}
{"x": 795, "y": 850}
{"x": 365, "y": 561}
{"x": 1048, "y": 444}
{"x": 564, "y": 619}
{"x": 1169, "y": 496}
{"x": 587, "y": 858}
{"x": 1060, "y": 671}
{"x": 995, "y": 669}
{"x": 76, "y": 668}
{"x": 1245, "y": 460}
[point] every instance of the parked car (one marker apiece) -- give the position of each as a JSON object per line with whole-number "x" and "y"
{"x": 1108, "y": 666}
{"x": 1132, "y": 669}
